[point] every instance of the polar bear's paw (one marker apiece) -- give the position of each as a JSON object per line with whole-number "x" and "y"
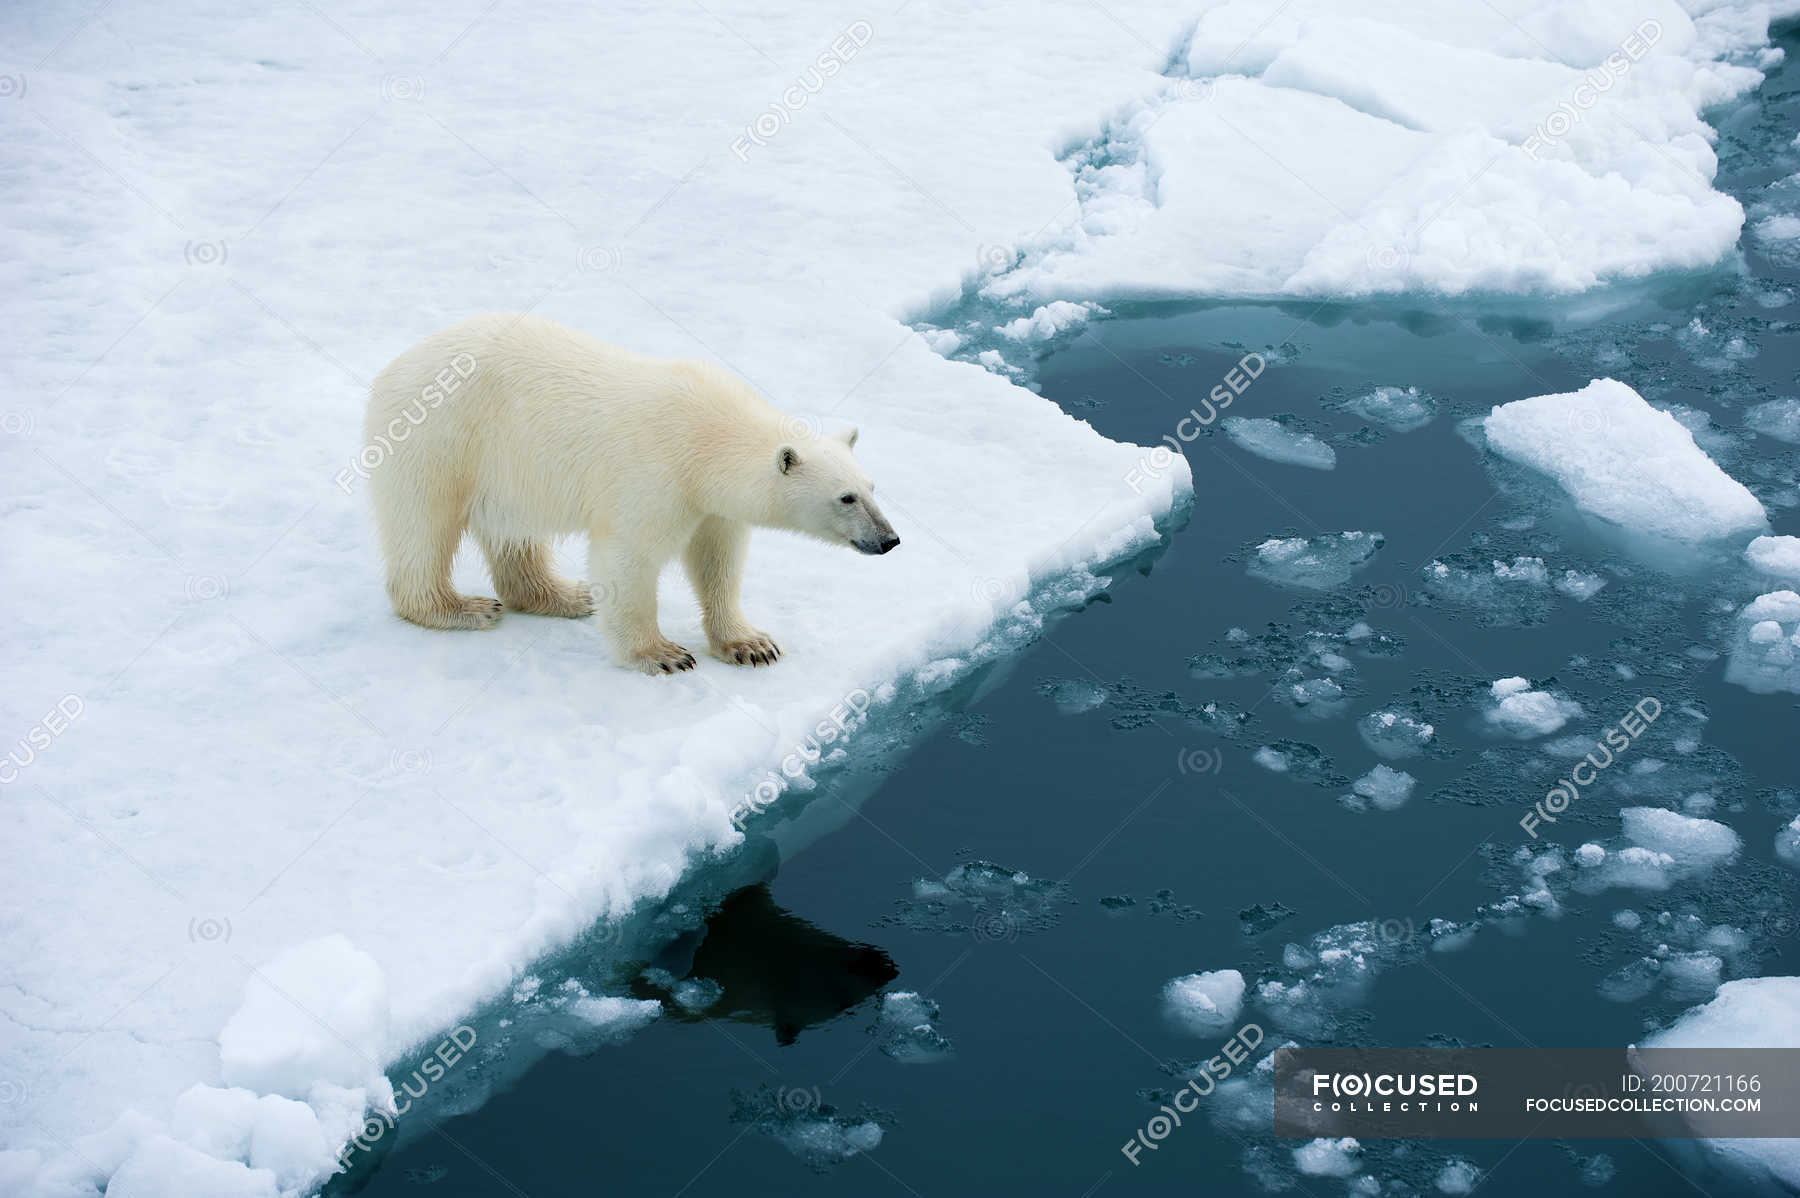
{"x": 569, "y": 600}
{"x": 753, "y": 650}
{"x": 664, "y": 657}
{"x": 458, "y": 612}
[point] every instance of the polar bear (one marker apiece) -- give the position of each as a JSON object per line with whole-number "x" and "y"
{"x": 519, "y": 430}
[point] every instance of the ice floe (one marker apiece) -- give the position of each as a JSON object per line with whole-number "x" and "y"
{"x": 1626, "y": 462}
{"x": 1277, "y": 442}
{"x": 1205, "y": 1003}
{"x": 1315, "y": 563}
{"x": 1515, "y": 709}
{"x": 1765, "y": 644}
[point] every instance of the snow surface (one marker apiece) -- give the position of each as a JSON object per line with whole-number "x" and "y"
{"x": 1345, "y": 147}
{"x": 1747, "y": 1013}
{"x": 231, "y": 220}
{"x": 228, "y": 222}
{"x": 1626, "y": 462}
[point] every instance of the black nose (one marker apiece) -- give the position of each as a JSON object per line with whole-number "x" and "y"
{"x": 888, "y": 542}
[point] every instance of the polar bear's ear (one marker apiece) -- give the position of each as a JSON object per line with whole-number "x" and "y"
{"x": 786, "y": 458}
{"x": 848, "y": 437}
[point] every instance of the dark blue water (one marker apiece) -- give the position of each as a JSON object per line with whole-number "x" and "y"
{"x": 1153, "y": 843}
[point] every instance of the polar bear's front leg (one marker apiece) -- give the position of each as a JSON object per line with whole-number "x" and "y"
{"x": 715, "y": 565}
{"x": 625, "y": 582}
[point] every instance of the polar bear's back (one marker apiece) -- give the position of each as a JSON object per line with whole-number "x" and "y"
{"x": 545, "y": 427}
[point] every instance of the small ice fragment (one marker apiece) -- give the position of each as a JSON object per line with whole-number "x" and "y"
{"x": 1204, "y": 1003}
{"x": 1276, "y": 442}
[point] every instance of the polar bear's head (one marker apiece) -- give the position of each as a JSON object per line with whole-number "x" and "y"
{"x": 825, "y": 494}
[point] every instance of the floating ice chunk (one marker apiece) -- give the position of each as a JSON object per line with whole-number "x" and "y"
{"x": 1318, "y": 563}
{"x": 907, "y": 1029}
{"x": 1632, "y": 981}
{"x": 1779, "y": 418}
{"x": 996, "y": 361}
{"x": 1316, "y": 690}
{"x": 1385, "y": 788}
{"x": 1747, "y": 1013}
{"x": 1329, "y": 1158}
{"x": 1205, "y": 1003}
{"x": 1692, "y": 976}
{"x": 1402, "y": 409}
{"x": 1787, "y": 844}
{"x": 1578, "y": 585}
{"x": 316, "y": 1013}
{"x": 1271, "y": 759}
{"x": 1765, "y": 648}
{"x": 1519, "y": 711}
{"x": 943, "y": 342}
{"x": 1457, "y": 1177}
{"x": 1522, "y": 569}
{"x": 616, "y": 1019}
{"x": 1055, "y": 317}
{"x": 1073, "y": 696}
{"x": 1598, "y": 1171}
{"x": 696, "y": 994}
{"x": 1692, "y": 843}
{"x": 1775, "y": 556}
{"x": 804, "y": 1124}
{"x": 1626, "y": 462}
{"x": 1278, "y": 443}
{"x": 1394, "y": 734}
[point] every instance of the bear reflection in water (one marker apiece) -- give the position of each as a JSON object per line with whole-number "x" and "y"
{"x": 755, "y": 962}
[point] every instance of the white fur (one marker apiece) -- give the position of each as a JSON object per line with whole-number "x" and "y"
{"x": 519, "y": 430}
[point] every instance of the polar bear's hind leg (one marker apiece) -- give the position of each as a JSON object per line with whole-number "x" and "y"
{"x": 527, "y": 582}
{"x": 418, "y": 577}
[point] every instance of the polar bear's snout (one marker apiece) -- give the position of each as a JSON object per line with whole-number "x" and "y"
{"x": 880, "y": 537}
{"x": 869, "y": 530}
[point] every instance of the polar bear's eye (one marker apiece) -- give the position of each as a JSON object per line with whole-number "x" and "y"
{"x": 851, "y": 498}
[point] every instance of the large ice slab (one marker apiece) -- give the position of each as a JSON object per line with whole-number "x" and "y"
{"x": 1345, "y": 147}
{"x": 1747, "y": 1013}
{"x": 227, "y": 228}
{"x": 1626, "y": 462}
